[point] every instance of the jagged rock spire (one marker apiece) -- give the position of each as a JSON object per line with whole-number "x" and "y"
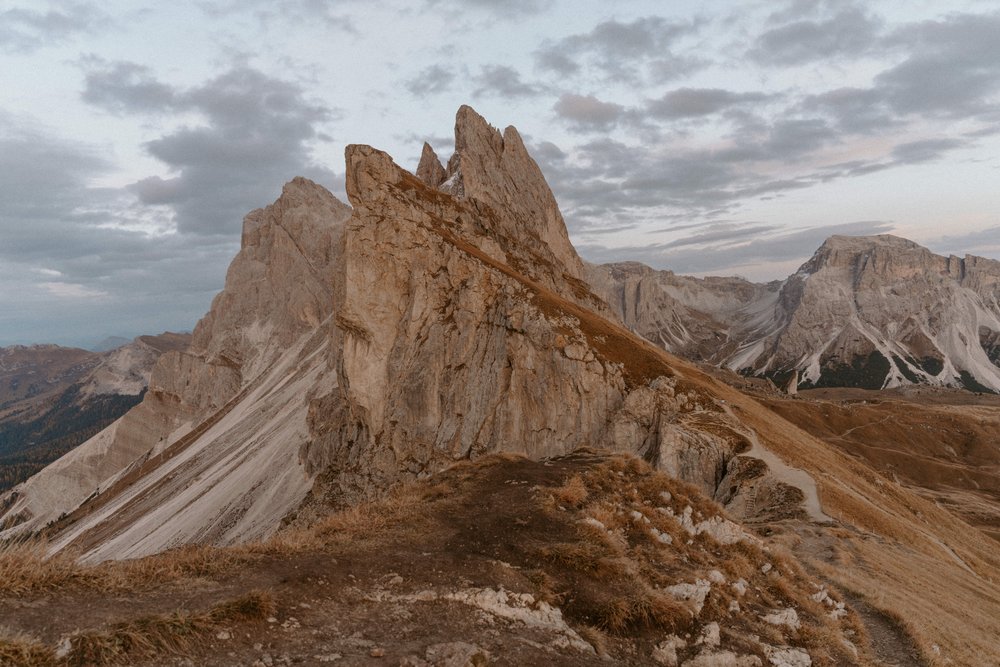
{"x": 496, "y": 169}
{"x": 430, "y": 170}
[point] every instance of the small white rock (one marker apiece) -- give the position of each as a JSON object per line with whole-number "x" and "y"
{"x": 788, "y": 617}
{"x": 710, "y": 635}
{"x": 665, "y": 653}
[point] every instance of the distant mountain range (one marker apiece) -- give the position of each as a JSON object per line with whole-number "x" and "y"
{"x": 53, "y": 398}
{"x": 871, "y": 312}
{"x": 109, "y": 343}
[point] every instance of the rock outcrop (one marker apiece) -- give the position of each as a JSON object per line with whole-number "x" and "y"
{"x": 868, "y": 312}
{"x": 429, "y": 169}
{"x": 229, "y": 412}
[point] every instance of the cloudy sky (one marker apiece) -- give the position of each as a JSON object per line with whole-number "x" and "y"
{"x": 710, "y": 137}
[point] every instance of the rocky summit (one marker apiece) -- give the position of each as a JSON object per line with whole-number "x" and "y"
{"x": 354, "y": 347}
{"x": 425, "y": 402}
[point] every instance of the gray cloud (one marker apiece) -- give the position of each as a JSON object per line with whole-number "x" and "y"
{"x": 849, "y": 33}
{"x": 126, "y": 87}
{"x": 692, "y": 102}
{"x": 509, "y": 9}
{"x": 25, "y": 30}
{"x": 729, "y": 247}
{"x": 720, "y": 235}
{"x": 959, "y": 244}
{"x": 854, "y": 110}
{"x": 256, "y": 137}
{"x": 67, "y": 258}
{"x": 635, "y": 181}
{"x": 950, "y": 70}
{"x": 504, "y": 81}
{"x": 622, "y": 51}
{"x": 953, "y": 68}
{"x": 295, "y": 11}
{"x": 586, "y": 112}
{"x": 923, "y": 151}
{"x": 431, "y": 80}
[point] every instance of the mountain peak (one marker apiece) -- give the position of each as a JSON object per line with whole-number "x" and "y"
{"x": 430, "y": 169}
{"x": 496, "y": 171}
{"x": 840, "y": 241}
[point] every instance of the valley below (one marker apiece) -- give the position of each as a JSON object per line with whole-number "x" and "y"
{"x": 942, "y": 444}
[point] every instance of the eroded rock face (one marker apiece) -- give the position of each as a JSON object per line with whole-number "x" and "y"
{"x": 869, "y": 312}
{"x": 705, "y": 319}
{"x": 507, "y": 197}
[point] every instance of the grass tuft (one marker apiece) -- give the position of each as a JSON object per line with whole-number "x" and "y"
{"x": 173, "y": 634}
{"x": 22, "y": 650}
{"x": 573, "y": 492}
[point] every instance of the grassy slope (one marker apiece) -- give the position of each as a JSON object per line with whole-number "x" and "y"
{"x": 502, "y": 523}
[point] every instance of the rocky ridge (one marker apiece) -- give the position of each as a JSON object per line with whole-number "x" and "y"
{"x": 871, "y": 312}
{"x": 361, "y": 346}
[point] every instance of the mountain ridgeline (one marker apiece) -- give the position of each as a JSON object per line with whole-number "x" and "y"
{"x": 54, "y": 398}
{"x": 432, "y": 321}
{"x": 870, "y": 312}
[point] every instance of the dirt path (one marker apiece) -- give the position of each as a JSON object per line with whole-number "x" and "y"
{"x": 892, "y": 645}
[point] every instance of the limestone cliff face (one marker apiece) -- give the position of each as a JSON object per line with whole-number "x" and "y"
{"x": 872, "y": 312}
{"x": 446, "y": 352}
{"x": 509, "y": 202}
{"x": 351, "y": 349}
{"x": 888, "y": 312}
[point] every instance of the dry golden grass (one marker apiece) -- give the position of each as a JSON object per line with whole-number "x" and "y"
{"x": 619, "y": 570}
{"x": 400, "y": 505}
{"x": 909, "y": 588}
{"x": 19, "y": 649}
{"x": 149, "y": 636}
{"x": 957, "y": 608}
{"x": 25, "y": 569}
{"x": 174, "y": 634}
{"x": 596, "y": 638}
{"x": 572, "y": 493}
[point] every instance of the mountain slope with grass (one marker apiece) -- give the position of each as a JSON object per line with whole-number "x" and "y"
{"x": 581, "y": 559}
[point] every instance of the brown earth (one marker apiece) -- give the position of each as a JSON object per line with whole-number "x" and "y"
{"x": 386, "y": 582}
{"x": 943, "y": 444}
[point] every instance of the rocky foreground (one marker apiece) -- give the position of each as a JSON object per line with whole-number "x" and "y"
{"x": 581, "y": 560}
